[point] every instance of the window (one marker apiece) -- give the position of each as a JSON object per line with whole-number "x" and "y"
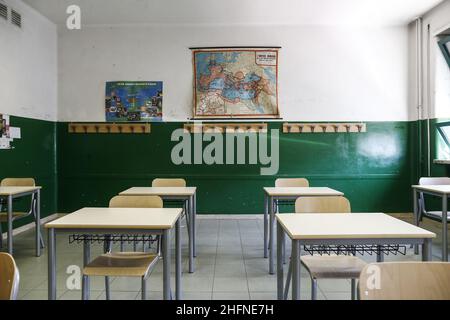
{"x": 444, "y": 45}
{"x": 442, "y": 97}
{"x": 443, "y": 145}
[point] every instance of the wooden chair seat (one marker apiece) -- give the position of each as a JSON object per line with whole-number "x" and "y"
{"x": 15, "y": 215}
{"x": 123, "y": 264}
{"x": 335, "y": 267}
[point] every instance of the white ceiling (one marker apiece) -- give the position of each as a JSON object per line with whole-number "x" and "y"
{"x": 295, "y": 12}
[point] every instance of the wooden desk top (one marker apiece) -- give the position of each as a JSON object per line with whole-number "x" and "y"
{"x": 441, "y": 189}
{"x": 10, "y": 191}
{"x": 118, "y": 218}
{"x": 348, "y": 226}
{"x": 159, "y": 191}
{"x": 302, "y": 191}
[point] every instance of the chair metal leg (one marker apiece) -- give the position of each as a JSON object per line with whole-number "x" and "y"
{"x": 84, "y": 288}
{"x": 354, "y": 289}
{"x": 358, "y": 295}
{"x": 185, "y": 207}
{"x": 274, "y": 210}
{"x": 144, "y": 288}
{"x": 107, "y": 289}
{"x": 41, "y": 240}
{"x": 288, "y": 281}
{"x": 313, "y": 289}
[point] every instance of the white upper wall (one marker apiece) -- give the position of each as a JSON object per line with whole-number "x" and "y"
{"x": 28, "y": 68}
{"x": 341, "y": 60}
{"x": 438, "y": 98}
{"x": 327, "y": 73}
{"x": 435, "y": 77}
{"x": 232, "y": 12}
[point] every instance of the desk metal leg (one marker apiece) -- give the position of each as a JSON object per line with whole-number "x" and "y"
{"x": 416, "y": 217}
{"x": 280, "y": 273}
{"x": 178, "y": 260}
{"x": 86, "y": 260}
{"x": 271, "y": 237}
{"x": 51, "y": 264}
{"x": 166, "y": 264}
{"x": 38, "y": 223}
{"x": 427, "y": 250}
{"x": 444, "y": 228}
{"x": 295, "y": 260}
{"x": 194, "y": 223}
{"x": 10, "y": 226}
{"x": 380, "y": 254}
{"x": 266, "y": 226}
{"x": 191, "y": 235}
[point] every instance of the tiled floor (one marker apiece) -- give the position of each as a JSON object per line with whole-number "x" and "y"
{"x": 230, "y": 265}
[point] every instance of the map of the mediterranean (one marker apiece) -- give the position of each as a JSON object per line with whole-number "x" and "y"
{"x": 236, "y": 83}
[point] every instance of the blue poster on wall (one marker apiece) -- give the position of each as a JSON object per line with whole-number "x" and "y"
{"x": 134, "y": 101}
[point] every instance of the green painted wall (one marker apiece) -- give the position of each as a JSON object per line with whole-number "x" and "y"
{"x": 375, "y": 169}
{"x": 33, "y": 156}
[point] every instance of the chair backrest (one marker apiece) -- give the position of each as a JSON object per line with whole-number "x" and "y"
{"x": 136, "y": 202}
{"x": 9, "y": 277}
{"x": 291, "y": 182}
{"x": 173, "y": 182}
{"x": 405, "y": 281}
{"x": 434, "y": 181}
{"x": 332, "y": 204}
{"x": 18, "y": 182}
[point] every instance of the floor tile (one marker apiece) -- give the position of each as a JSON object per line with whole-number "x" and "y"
{"x": 230, "y": 284}
{"x": 229, "y": 265}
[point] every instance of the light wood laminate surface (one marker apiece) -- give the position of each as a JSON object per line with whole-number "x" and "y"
{"x": 159, "y": 191}
{"x": 301, "y": 191}
{"x": 348, "y": 226}
{"x": 441, "y": 189}
{"x": 118, "y": 218}
{"x": 10, "y": 191}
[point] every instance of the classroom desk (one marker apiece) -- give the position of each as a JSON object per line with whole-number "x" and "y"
{"x": 158, "y": 221}
{"x": 273, "y": 194}
{"x": 342, "y": 229}
{"x": 186, "y": 194}
{"x": 442, "y": 191}
{"x": 10, "y": 193}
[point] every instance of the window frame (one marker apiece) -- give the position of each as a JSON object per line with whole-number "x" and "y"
{"x": 442, "y": 133}
{"x": 445, "y": 50}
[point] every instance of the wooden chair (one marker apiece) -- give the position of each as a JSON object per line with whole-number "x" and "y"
{"x": 9, "y": 277}
{"x": 333, "y": 266}
{"x": 287, "y": 183}
{"x": 173, "y": 182}
{"x": 124, "y": 264}
{"x": 433, "y": 215}
{"x": 405, "y": 281}
{"x": 18, "y": 182}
